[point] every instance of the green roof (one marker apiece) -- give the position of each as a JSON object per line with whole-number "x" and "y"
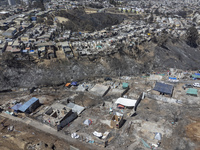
{"x": 192, "y": 91}
{"x": 196, "y": 76}
{"x": 124, "y": 85}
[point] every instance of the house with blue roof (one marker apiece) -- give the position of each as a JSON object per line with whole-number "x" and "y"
{"x": 30, "y": 106}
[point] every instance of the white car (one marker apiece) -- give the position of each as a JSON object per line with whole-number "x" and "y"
{"x": 196, "y": 84}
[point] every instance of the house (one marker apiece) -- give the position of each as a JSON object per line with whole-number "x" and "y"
{"x": 45, "y": 44}
{"x": 3, "y": 47}
{"x": 75, "y": 108}
{"x": 59, "y": 115}
{"x": 117, "y": 121}
{"x": 12, "y": 49}
{"x": 100, "y": 90}
{"x": 10, "y": 33}
{"x": 164, "y": 88}
{"x": 30, "y": 106}
{"x": 44, "y": 38}
{"x": 3, "y": 26}
{"x": 66, "y": 49}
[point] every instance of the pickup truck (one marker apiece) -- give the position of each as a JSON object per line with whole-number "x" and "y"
{"x": 196, "y": 84}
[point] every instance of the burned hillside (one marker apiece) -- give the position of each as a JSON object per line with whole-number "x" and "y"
{"x": 79, "y": 20}
{"x": 144, "y": 58}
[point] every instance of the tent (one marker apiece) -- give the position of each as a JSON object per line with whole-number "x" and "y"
{"x": 126, "y": 102}
{"x": 172, "y": 78}
{"x": 74, "y": 83}
{"x": 158, "y": 136}
{"x": 120, "y": 106}
{"x": 67, "y": 84}
{"x": 196, "y": 76}
{"x": 164, "y": 88}
{"x": 87, "y": 122}
{"x": 192, "y": 91}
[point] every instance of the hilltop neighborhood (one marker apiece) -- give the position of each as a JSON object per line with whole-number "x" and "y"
{"x": 151, "y": 110}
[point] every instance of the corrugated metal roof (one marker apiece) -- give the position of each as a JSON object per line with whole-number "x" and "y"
{"x": 163, "y": 88}
{"x": 26, "y": 105}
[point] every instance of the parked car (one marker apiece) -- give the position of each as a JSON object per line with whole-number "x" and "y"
{"x": 187, "y": 86}
{"x": 196, "y": 84}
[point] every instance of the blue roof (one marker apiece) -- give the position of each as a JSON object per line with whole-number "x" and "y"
{"x": 16, "y": 107}
{"x": 26, "y": 105}
{"x": 172, "y": 78}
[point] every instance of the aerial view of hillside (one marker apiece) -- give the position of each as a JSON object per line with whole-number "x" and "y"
{"x": 99, "y": 74}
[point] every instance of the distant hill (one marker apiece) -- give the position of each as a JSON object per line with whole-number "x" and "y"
{"x": 79, "y": 20}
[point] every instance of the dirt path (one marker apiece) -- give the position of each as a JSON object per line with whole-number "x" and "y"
{"x": 47, "y": 129}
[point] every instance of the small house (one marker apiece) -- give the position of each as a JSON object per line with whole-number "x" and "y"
{"x": 164, "y": 88}
{"x": 30, "y": 106}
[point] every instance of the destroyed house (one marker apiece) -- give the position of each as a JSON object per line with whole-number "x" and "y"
{"x": 58, "y": 116}
{"x": 67, "y": 49}
{"x": 30, "y": 106}
{"x": 116, "y": 121}
{"x": 164, "y": 88}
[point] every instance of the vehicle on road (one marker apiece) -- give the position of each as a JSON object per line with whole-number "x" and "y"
{"x": 187, "y": 86}
{"x": 196, "y": 84}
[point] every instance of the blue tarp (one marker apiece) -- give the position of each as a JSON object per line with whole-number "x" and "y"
{"x": 31, "y": 50}
{"x": 26, "y": 105}
{"x": 74, "y": 83}
{"x": 25, "y": 51}
{"x": 16, "y": 107}
{"x": 164, "y": 88}
{"x": 198, "y": 74}
{"x": 172, "y": 78}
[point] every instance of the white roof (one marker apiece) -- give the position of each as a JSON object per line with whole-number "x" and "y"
{"x": 126, "y": 102}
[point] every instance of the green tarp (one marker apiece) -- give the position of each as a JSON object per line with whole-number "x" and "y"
{"x": 196, "y": 76}
{"x": 192, "y": 91}
{"x": 124, "y": 85}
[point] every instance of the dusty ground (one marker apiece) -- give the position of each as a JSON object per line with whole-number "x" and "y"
{"x": 62, "y": 19}
{"x": 25, "y": 137}
{"x": 151, "y": 116}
